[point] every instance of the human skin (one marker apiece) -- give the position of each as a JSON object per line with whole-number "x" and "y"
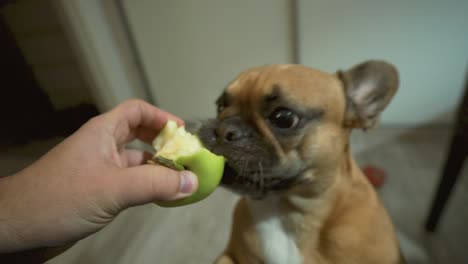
{"x": 83, "y": 183}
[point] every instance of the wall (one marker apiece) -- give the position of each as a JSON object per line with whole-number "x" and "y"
{"x": 426, "y": 40}
{"x": 192, "y": 49}
{"x": 44, "y": 44}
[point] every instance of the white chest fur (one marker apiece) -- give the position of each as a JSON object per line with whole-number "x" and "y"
{"x": 278, "y": 243}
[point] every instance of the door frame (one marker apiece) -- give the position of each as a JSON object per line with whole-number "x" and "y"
{"x": 100, "y": 38}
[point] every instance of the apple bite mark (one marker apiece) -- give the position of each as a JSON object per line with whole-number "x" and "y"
{"x": 180, "y": 150}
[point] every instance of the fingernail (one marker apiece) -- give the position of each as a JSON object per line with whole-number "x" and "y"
{"x": 188, "y": 181}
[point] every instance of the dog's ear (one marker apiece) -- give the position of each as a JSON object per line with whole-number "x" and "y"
{"x": 369, "y": 87}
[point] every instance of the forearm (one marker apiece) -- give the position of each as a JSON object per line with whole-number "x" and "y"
{"x": 14, "y": 248}
{"x": 9, "y": 235}
{"x": 9, "y": 241}
{"x": 32, "y": 212}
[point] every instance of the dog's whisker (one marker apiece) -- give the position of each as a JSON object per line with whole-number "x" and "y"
{"x": 244, "y": 168}
{"x": 255, "y": 177}
{"x": 261, "y": 178}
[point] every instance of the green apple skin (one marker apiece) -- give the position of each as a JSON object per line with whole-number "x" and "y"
{"x": 209, "y": 169}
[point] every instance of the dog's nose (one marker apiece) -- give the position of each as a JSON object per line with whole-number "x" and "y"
{"x": 228, "y": 132}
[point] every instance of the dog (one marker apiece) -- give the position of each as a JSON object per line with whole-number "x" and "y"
{"x": 284, "y": 130}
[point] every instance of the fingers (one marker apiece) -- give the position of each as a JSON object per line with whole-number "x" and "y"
{"x": 150, "y": 183}
{"x": 138, "y": 119}
{"x": 133, "y": 157}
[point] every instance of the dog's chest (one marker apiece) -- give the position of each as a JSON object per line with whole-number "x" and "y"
{"x": 278, "y": 244}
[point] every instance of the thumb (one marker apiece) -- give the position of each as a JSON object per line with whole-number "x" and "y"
{"x": 150, "y": 183}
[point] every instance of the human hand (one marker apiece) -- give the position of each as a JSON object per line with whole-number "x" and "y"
{"x": 79, "y": 186}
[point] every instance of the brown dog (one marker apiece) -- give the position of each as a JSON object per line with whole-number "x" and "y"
{"x": 284, "y": 130}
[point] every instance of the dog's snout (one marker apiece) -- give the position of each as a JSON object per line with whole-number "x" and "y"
{"x": 228, "y": 132}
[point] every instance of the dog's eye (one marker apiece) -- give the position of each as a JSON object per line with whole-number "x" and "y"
{"x": 284, "y": 118}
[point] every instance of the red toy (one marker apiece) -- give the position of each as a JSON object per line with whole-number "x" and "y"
{"x": 375, "y": 175}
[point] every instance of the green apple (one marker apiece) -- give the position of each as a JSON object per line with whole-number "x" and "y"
{"x": 180, "y": 150}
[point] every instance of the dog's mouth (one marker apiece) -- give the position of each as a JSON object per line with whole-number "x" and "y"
{"x": 254, "y": 183}
{"x": 229, "y": 175}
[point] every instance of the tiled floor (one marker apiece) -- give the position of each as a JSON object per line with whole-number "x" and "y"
{"x": 413, "y": 161}
{"x": 198, "y": 233}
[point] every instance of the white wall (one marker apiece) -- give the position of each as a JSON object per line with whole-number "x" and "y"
{"x": 192, "y": 49}
{"x": 426, "y": 39}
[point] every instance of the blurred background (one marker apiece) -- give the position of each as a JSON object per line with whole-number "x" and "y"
{"x": 64, "y": 61}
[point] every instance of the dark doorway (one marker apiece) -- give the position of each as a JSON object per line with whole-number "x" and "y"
{"x": 26, "y": 112}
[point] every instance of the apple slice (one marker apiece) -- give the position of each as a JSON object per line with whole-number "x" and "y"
{"x": 180, "y": 150}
